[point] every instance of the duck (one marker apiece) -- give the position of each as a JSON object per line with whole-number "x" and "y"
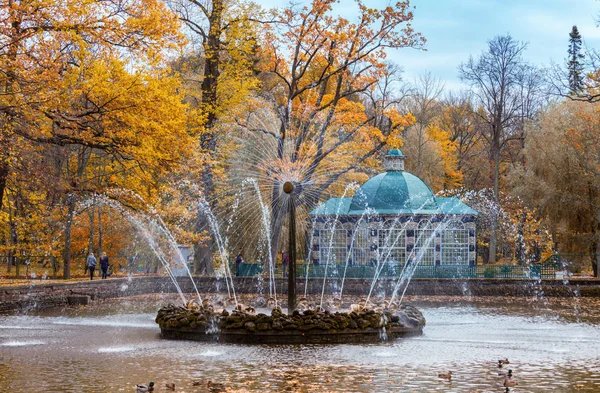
{"x": 500, "y": 364}
{"x": 170, "y": 386}
{"x": 145, "y": 388}
{"x": 215, "y": 387}
{"x": 447, "y": 376}
{"x": 509, "y": 382}
{"x": 504, "y": 361}
{"x": 271, "y": 302}
{"x": 250, "y": 310}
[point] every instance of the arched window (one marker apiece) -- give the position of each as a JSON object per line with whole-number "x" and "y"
{"x": 333, "y": 244}
{"x": 455, "y": 244}
{"x": 392, "y": 243}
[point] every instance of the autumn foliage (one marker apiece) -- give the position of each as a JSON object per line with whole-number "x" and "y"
{"x": 117, "y": 111}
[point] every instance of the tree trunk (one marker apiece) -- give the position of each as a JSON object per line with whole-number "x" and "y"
{"x": 494, "y": 223}
{"x": 520, "y": 249}
{"x": 67, "y": 251}
{"x": 54, "y": 266}
{"x": 11, "y": 252}
{"x": 4, "y": 170}
{"x": 596, "y": 258}
{"x": 203, "y": 254}
{"x": 420, "y": 150}
{"x": 92, "y": 215}
{"x": 100, "y": 230}
{"x": 13, "y": 242}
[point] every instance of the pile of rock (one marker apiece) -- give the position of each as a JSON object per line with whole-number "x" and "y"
{"x": 175, "y": 317}
{"x": 201, "y": 317}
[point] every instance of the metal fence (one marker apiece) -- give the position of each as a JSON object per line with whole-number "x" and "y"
{"x": 539, "y": 271}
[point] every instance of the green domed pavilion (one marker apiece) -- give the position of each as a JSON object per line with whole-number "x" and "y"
{"x": 393, "y": 218}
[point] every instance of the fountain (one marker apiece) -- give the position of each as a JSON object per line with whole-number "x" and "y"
{"x": 202, "y": 322}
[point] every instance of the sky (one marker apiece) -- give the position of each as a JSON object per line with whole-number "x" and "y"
{"x": 455, "y": 29}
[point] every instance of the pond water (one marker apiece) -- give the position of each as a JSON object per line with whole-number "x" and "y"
{"x": 110, "y": 346}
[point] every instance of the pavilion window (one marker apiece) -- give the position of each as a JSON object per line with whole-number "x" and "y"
{"x": 392, "y": 246}
{"x": 455, "y": 245}
{"x": 424, "y": 245}
{"x": 333, "y": 246}
{"x": 361, "y": 246}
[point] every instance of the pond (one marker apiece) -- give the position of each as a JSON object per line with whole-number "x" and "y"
{"x": 113, "y": 345}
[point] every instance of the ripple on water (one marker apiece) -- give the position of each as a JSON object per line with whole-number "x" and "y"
{"x": 211, "y": 353}
{"x": 22, "y": 343}
{"x": 117, "y": 349}
{"x": 103, "y": 322}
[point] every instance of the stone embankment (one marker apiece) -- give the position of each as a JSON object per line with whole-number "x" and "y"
{"x": 40, "y": 295}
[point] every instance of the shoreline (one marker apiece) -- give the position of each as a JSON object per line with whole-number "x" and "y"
{"x": 58, "y": 294}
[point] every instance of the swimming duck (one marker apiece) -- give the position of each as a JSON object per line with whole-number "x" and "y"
{"x": 509, "y": 382}
{"x": 145, "y": 388}
{"x": 215, "y": 387}
{"x": 170, "y": 386}
{"x": 447, "y": 376}
{"x": 499, "y": 363}
{"x": 504, "y": 361}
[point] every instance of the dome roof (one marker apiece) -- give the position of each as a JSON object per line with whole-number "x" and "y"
{"x": 391, "y": 192}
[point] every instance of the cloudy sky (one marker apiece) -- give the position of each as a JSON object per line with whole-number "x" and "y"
{"x": 457, "y": 28}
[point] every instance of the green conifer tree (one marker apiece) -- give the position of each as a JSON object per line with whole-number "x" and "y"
{"x": 575, "y": 63}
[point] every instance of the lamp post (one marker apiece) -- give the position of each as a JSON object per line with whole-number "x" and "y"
{"x": 288, "y": 188}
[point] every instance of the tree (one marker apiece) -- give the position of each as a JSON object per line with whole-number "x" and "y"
{"x": 575, "y": 63}
{"x": 317, "y": 70}
{"x": 561, "y": 177}
{"x": 225, "y": 30}
{"x": 40, "y": 40}
{"x": 462, "y": 124}
{"x": 425, "y": 107}
{"x": 503, "y": 85}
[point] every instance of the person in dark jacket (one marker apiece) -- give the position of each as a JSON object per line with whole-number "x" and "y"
{"x": 91, "y": 264}
{"x": 104, "y": 265}
{"x": 238, "y": 263}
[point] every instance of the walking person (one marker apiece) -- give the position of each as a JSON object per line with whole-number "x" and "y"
{"x": 238, "y": 263}
{"x": 91, "y": 264}
{"x": 104, "y": 265}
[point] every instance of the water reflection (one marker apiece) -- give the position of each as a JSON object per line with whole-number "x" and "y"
{"x": 113, "y": 345}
